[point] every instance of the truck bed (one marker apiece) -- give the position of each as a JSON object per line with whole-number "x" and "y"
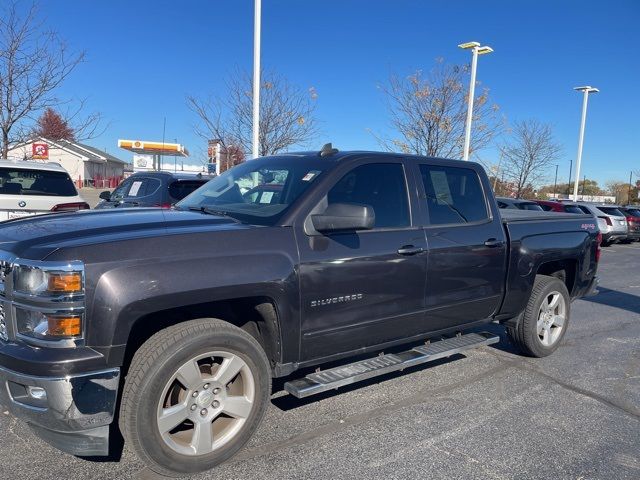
{"x": 512, "y": 215}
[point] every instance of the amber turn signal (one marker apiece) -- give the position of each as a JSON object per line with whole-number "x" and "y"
{"x": 65, "y": 282}
{"x": 64, "y": 326}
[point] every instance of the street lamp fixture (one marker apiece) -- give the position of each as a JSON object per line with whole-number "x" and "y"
{"x": 586, "y": 90}
{"x": 476, "y": 49}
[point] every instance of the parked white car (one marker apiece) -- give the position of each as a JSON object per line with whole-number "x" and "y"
{"x": 32, "y": 188}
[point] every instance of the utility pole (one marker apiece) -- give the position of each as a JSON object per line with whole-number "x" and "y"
{"x": 569, "y": 184}
{"x": 586, "y": 91}
{"x": 256, "y": 77}
{"x": 629, "y": 194}
{"x": 555, "y": 182}
{"x": 584, "y": 183}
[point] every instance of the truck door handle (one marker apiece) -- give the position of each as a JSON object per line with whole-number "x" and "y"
{"x": 493, "y": 243}
{"x": 410, "y": 250}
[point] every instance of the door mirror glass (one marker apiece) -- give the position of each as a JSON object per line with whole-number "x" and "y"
{"x": 344, "y": 217}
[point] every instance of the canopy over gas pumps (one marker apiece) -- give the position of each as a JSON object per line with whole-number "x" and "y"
{"x": 155, "y": 149}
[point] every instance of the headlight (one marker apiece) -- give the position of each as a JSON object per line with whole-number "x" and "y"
{"x": 46, "y": 326}
{"x": 37, "y": 281}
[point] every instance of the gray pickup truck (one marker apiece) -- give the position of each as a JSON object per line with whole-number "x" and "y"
{"x": 168, "y": 325}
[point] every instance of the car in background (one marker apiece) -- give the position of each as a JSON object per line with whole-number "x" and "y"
{"x": 612, "y": 222}
{"x": 551, "y": 206}
{"x": 633, "y": 220}
{"x": 31, "y": 188}
{"x": 152, "y": 189}
{"x": 518, "y": 204}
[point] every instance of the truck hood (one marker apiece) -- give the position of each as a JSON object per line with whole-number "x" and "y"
{"x": 36, "y": 237}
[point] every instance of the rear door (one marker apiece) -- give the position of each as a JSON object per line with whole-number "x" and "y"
{"x": 365, "y": 288}
{"x": 467, "y": 245}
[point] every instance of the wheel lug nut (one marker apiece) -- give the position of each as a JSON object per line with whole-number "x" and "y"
{"x": 193, "y": 407}
{"x": 215, "y": 404}
{"x": 203, "y": 412}
{"x": 206, "y": 385}
{"x": 216, "y": 390}
{"x": 194, "y": 394}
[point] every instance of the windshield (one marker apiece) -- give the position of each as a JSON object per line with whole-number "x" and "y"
{"x": 257, "y": 191}
{"x": 529, "y": 206}
{"x": 22, "y": 181}
{"x": 572, "y": 209}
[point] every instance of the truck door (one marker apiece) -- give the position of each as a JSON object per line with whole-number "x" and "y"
{"x": 363, "y": 288}
{"x": 467, "y": 245}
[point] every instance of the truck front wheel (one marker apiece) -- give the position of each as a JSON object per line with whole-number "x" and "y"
{"x": 544, "y": 322}
{"x": 194, "y": 394}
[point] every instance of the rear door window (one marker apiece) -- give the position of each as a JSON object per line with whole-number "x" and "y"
{"x": 454, "y": 195}
{"x": 529, "y": 206}
{"x": 136, "y": 188}
{"x": 179, "y": 189}
{"x": 21, "y": 181}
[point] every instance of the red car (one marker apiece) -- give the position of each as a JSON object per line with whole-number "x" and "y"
{"x": 632, "y": 212}
{"x": 551, "y": 206}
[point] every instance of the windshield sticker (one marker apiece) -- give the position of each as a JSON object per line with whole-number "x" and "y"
{"x": 266, "y": 197}
{"x": 135, "y": 187}
{"x": 310, "y": 176}
{"x": 441, "y": 187}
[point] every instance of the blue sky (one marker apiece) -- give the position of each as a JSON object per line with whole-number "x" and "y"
{"x": 345, "y": 48}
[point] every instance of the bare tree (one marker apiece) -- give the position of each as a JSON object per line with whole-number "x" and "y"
{"x": 428, "y": 113}
{"x": 287, "y": 114}
{"x": 33, "y": 64}
{"x": 529, "y": 155}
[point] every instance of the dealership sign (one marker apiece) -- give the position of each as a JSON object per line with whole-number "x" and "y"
{"x": 40, "y": 151}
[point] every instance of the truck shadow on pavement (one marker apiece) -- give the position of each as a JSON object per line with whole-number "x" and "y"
{"x": 616, "y": 299}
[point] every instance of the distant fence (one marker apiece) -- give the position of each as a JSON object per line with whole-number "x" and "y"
{"x": 99, "y": 182}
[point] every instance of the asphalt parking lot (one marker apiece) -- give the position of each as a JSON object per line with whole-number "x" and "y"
{"x": 490, "y": 414}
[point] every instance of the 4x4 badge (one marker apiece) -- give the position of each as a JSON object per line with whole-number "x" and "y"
{"x": 22, "y": 203}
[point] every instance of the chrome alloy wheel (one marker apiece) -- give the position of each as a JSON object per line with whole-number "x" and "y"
{"x": 205, "y": 403}
{"x": 551, "y": 318}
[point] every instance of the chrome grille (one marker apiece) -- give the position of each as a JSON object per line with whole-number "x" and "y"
{"x": 3, "y": 326}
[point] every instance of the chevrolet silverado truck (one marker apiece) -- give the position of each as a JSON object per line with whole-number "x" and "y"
{"x": 168, "y": 325}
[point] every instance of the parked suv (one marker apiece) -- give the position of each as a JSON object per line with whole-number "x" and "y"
{"x": 614, "y": 228}
{"x": 32, "y": 188}
{"x": 633, "y": 220}
{"x": 517, "y": 204}
{"x": 152, "y": 189}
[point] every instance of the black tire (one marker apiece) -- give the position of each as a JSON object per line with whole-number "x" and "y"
{"x": 524, "y": 334}
{"x": 152, "y": 367}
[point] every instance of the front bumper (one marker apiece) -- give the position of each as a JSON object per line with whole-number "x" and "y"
{"x": 74, "y": 412}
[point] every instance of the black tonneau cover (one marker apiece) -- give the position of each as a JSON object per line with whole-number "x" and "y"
{"x": 512, "y": 215}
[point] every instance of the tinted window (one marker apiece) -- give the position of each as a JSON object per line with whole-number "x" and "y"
{"x": 180, "y": 189}
{"x": 454, "y": 195}
{"x": 546, "y": 208}
{"x": 19, "y": 181}
{"x": 379, "y": 185}
{"x": 585, "y": 209}
{"x": 611, "y": 211}
{"x": 529, "y": 206}
{"x": 572, "y": 209}
{"x": 634, "y": 212}
{"x": 500, "y": 204}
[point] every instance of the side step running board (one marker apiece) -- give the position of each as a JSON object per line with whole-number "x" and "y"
{"x": 355, "y": 372}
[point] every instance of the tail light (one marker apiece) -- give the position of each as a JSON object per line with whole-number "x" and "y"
{"x": 598, "y": 245}
{"x": 70, "y": 207}
{"x": 163, "y": 205}
{"x": 608, "y": 220}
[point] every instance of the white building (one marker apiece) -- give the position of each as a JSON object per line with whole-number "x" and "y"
{"x": 87, "y": 166}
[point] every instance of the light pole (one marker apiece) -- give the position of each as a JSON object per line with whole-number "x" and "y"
{"x": 586, "y": 90}
{"x": 256, "y": 76}
{"x": 630, "y": 187}
{"x": 476, "y": 50}
{"x": 555, "y": 183}
{"x": 569, "y": 183}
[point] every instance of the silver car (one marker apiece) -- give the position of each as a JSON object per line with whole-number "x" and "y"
{"x": 612, "y": 222}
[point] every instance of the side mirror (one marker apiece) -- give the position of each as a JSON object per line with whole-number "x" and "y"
{"x": 106, "y": 195}
{"x": 344, "y": 217}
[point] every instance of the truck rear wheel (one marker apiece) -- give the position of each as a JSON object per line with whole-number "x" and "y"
{"x": 194, "y": 394}
{"x": 545, "y": 319}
